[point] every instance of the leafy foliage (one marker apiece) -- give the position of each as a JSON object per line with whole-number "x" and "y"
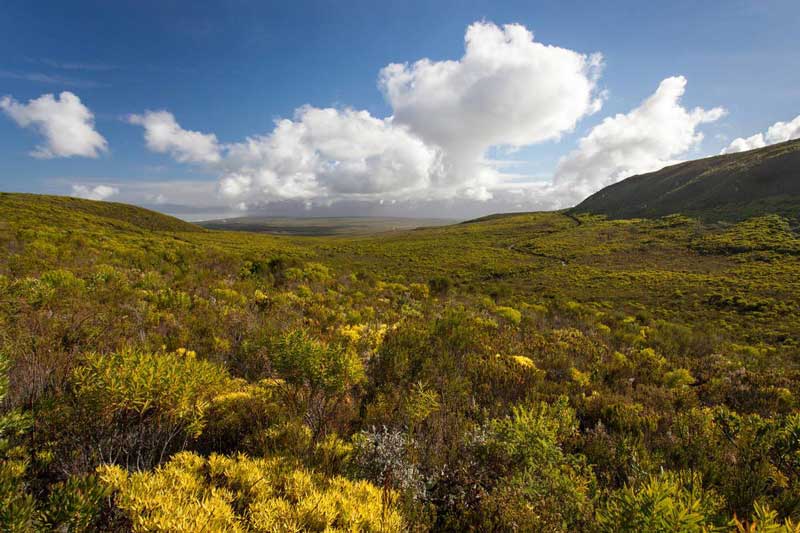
{"x": 142, "y": 406}
{"x": 663, "y": 503}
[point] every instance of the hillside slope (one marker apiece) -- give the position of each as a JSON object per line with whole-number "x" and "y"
{"x": 726, "y": 187}
{"x": 60, "y": 210}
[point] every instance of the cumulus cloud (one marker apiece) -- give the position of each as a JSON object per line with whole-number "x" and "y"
{"x": 65, "y": 123}
{"x": 164, "y": 135}
{"x": 778, "y": 132}
{"x": 742, "y": 144}
{"x": 331, "y": 154}
{"x": 98, "y": 192}
{"x": 647, "y": 138}
{"x": 506, "y": 90}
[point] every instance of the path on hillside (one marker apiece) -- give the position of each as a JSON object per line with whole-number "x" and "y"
{"x": 576, "y": 220}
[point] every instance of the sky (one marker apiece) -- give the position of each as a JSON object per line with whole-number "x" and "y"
{"x": 452, "y": 109}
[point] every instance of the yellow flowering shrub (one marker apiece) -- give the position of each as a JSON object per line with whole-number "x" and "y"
{"x": 230, "y": 296}
{"x": 237, "y": 494}
{"x": 352, "y": 333}
{"x": 173, "y": 498}
{"x": 363, "y": 336}
{"x": 583, "y": 379}
{"x": 260, "y": 298}
{"x": 680, "y": 377}
{"x": 509, "y": 313}
{"x": 525, "y": 362}
{"x": 420, "y": 291}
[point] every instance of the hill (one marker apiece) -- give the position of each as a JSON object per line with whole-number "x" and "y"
{"x": 726, "y": 187}
{"x": 320, "y": 226}
{"x": 66, "y": 210}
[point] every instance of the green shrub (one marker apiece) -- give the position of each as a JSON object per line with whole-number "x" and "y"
{"x": 765, "y": 520}
{"x": 234, "y": 418}
{"x": 139, "y": 406}
{"x": 317, "y": 376}
{"x": 664, "y": 503}
{"x": 18, "y": 513}
{"x": 439, "y": 286}
{"x": 546, "y": 488}
{"x": 13, "y": 423}
{"x": 75, "y": 504}
{"x": 509, "y": 313}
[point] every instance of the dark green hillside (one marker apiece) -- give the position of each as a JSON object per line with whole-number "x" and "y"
{"x": 726, "y": 187}
{"x": 66, "y": 210}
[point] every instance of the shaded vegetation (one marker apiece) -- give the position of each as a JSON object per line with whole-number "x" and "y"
{"x": 728, "y": 187}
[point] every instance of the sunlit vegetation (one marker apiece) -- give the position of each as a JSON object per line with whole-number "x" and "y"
{"x": 532, "y": 372}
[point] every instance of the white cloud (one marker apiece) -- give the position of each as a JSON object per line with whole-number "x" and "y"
{"x": 66, "y": 124}
{"x": 741, "y": 144}
{"x": 506, "y": 90}
{"x": 98, "y": 192}
{"x": 778, "y": 132}
{"x": 189, "y": 199}
{"x": 164, "y": 135}
{"x": 328, "y": 154}
{"x": 784, "y": 131}
{"x": 647, "y": 138}
{"x": 166, "y": 192}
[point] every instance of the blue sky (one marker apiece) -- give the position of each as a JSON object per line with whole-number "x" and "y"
{"x": 232, "y": 69}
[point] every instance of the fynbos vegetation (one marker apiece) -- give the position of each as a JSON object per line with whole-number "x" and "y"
{"x": 533, "y": 372}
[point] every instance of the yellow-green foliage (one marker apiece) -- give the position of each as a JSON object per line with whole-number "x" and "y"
{"x": 233, "y": 418}
{"x": 680, "y": 377}
{"x": 663, "y": 504}
{"x": 509, "y": 313}
{"x": 174, "y": 386}
{"x": 525, "y": 362}
{"x": 306, "y": 362}
{"x": 232, "y": 494}
{"x": 17, "y": 507}
{"x": 549, "y": 489}
{"x": 580, "y": 378}
{"x": 765, "y": 520}
{"x": 767, "y": 233}
{"x": 13, "y": 423}
{"x": 72, "y": 505}
{"x": 420, "y": 403}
